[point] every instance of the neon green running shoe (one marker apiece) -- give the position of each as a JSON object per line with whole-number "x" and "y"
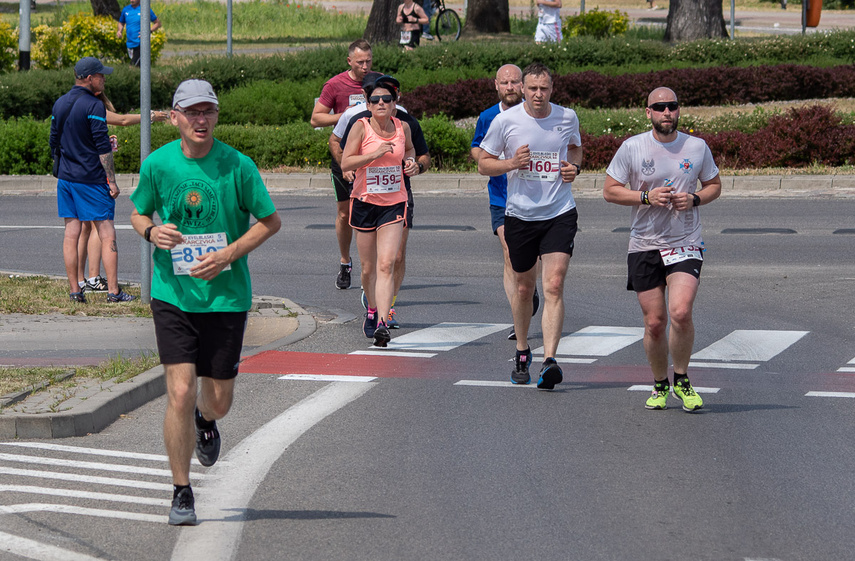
{"x": 691, "y": 400}
{"x": 659, "y": 397}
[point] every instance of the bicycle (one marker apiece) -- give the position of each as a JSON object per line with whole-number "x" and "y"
{"x": 447, "y": 22}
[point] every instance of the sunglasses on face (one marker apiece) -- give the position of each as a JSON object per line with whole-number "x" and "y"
{"x": 662, "y": 106}
{"x": 376, "y": 98}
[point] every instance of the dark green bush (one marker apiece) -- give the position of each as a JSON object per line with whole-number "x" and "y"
{"x": 268, "y": 103}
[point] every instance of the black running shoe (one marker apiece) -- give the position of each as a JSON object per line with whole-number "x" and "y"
{"x": 535, "y": 302}
{"x": 77, "y": 297}
{"x": 382, "y": 335}
{"x": 342, "y": 281}
{"x": 207, "y": 444}
{"x": 522, "y": 360}
{"x": 550, "y": 375}
{"x": 183, "y": 511}
{"x": 512, "y": 336}
{"x": 99, "y": 285}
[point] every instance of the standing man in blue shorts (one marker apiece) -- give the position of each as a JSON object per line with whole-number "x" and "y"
{"x": 204, "y": 193}
{"x": 130, "y": 21}
{"x": 657, "y": 174}
{"x": 86, "y": 186}
{"x": 541, "y": 151}
{"x": 509, "y": 85}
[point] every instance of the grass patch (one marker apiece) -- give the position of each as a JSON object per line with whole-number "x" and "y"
{"x": 44, "y": 295}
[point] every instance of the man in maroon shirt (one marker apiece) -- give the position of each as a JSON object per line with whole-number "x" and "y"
{"x": 339, "y": 93}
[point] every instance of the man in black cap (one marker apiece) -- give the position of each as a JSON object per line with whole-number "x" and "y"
{"x": 86, "y": 177}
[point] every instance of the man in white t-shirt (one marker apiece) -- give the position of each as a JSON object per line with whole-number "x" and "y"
{"x": 548, "y": 22}
{"x": 537, "y": 144}
{"x": 657, "y": 174}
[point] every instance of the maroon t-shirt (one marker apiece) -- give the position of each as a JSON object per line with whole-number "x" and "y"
{"x": 340, "y": 92}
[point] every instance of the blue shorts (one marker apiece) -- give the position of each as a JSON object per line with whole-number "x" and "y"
{"x": 84, "y": 201}
{"x": 497, "y": 215}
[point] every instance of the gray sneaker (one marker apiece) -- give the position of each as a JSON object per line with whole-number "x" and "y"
{"x": 183, "y": 511}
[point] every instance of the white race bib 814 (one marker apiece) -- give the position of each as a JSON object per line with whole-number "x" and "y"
{"x": 185, "y": 254}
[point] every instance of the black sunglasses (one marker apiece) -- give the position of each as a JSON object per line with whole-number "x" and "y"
{"x": 662, "y": 106}
{"x": 376, "y": 98}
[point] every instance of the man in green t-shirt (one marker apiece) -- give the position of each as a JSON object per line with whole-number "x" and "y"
{"x": 204, "y": 193}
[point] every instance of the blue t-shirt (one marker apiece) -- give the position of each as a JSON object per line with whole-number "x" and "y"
{"x": 84, "y": 136}
{"x": 131, "y": 18}
{"x": 497, "y": 186}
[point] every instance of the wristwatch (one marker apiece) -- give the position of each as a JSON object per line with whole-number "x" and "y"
{"x": 147, "y": 234}
{"x": 421, "y": 168}
{"x": 696, "y": 200}
{"x": 578, "y": 168}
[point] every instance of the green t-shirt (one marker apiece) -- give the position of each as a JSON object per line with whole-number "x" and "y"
{"x": 217, "y": 193}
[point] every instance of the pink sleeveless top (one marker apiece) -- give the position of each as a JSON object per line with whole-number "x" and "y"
{"x": 381, "y": 182}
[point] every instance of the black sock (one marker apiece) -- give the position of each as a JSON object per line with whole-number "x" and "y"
{"x": 661, "y": 385}
{"x": 680, "y": 377}
{"x": 202, "y": 422}
{"x": 177, "y": 489}
{"x": 526, "y": 352}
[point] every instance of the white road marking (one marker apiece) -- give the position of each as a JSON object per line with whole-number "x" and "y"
{"x": 327, "y": 378}
{"x": 92, "y": 465}
{"x": 93, "y": 451}
{"x": 493, "y": 384}
{"x": 222, "y": 502}
{"x": 643, "y": 388}
{"x": 32, "y": 549}
{"x": 85, "y": 495}
{"x": 750, "y": 345}
{"x": 381, "y": 352}
{"x": 87, "y": 479}
{"x": 846, "y": 369}
{"x": 597, "y": 340}
{"x": 559, "y": 358}
{"x": 830, "y": 394}
{"x": 733, "y": 365}
{"x": 69, "y": 509}
{"x": 445, "y": 336}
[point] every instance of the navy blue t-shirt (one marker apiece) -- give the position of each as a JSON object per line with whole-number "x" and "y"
{"x": 84, "y": 136}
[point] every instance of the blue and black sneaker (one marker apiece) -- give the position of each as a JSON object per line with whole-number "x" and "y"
{"x": 522, "y": 361}
{"x": 369, "y": 325}
{"x": 550, "y": 374}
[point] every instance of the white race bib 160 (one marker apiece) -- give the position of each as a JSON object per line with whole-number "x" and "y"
{"x": 544, "y": 166}
{"x": 184, "y": 255}
{"x": 677, "y": 254}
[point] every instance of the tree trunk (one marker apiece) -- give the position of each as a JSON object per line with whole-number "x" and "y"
{"x": 488, "y": 16}
{"x": 106, "y": 8}
{"x": 381, "y": 27}
{"x": 689, "y": 20}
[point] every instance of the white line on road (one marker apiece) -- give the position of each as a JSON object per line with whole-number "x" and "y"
{"x": 846, "y": 369}
{"x": 92, "y": 451}
{"x": 445, "y": 336}
{"x": 565, "y": 359}
{"x": 221, "y": 505}
{"x": 733, "y": 365}
{"x": 750, "y": 345}
{"x": 58, "y": 227}
{"x": 643, "y": 388}
{"x": 598, "y": 340}
{"x": 327, "y": 378}
{"x": 32, "y": 549}
{"x": 380, "y": 352}
{"x": 84, "y": 495}
{"x": 492, "y": 384}
{"x": 830, "y": 394}
{"x": 92, "y": 465}
{"x": 70, "y": 509}
{"x": 87, "y": 479}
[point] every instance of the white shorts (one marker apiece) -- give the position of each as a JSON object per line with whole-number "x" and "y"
{"x": 548, "y": 33}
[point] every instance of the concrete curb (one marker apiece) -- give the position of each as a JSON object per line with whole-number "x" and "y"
{"x": 586, "y": 186}
{"x": 94, "y": 413}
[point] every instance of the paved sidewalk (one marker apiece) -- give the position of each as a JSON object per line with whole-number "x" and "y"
{"x": 91, "y": 405}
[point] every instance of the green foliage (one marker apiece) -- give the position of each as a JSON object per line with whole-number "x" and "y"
{"x": 449, "y": 144}
{"x": 24, "y": 147}
{"x": 266, "y": 102}
{"x": 8, "y": 47}
{"x": 596, "y": 23}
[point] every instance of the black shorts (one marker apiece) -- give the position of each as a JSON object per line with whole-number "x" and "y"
{"x": 342, "y": 187}
{"x": 410, "y": 205}
{"x": 528, "y": 240}
{"x": 212, "y": 341}
{"x": 368, "y": 217}
{"x": 647, "y": 271}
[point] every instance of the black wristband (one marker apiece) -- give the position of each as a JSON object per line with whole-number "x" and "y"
{"x": 645, "y": 197}
{"x": 696, "y": 200}
{"x": 421, "y": 168}
{"x": 147, "y": 234}
{"x": 578, "y": 168}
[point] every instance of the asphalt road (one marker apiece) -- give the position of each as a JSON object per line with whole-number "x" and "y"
{"x": 437, "y": 458}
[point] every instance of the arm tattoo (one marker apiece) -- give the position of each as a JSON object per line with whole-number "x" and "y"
{"x": 109, "y": 168}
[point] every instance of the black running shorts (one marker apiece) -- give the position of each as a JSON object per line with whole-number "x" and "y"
{"x": 342, "y": 187}
{"x": 647, "y": 271}
{"x": 368, "y": 217}
{"x": 212, "y": 341}
{"x": 528, "y": 240}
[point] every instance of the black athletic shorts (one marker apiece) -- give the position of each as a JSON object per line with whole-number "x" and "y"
{"x": 410, "y": 205}
{"x": 342, "y": 187}
{"x": 647, "y": 271}
{"x": 368, "y": 217}
{"x": 212, "y": 341}
{"x": 528, "y": 240}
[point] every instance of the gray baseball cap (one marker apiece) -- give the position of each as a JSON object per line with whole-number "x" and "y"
{"x": 90, "y": 65}
{"x": 191, "y": 92}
